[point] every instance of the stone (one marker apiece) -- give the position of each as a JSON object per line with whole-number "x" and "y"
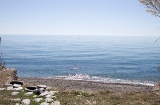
{"x": 41, "y": 90}
{"x": 7, "y": 85}
{"x": 31, "y": 87}
{"x": 53, "y": 92}
{"x": 44, "y": 93}
{"x": 26, "y": 102}
{"x": 10, "y": 88}
{"x": 48, "y": 100}
{"x": 16, "y": 100}
{"x": 16, "y": 82}
{"x": 28, "y": 93}
{"x": 48, "y": 96}
{"x": 1, "y": 89}
{"x": 14, "y": 93}
{"x": 37, "y": 92}
{"x": 16, "y": 85}
{"x": 44, "y": 103}
{"x": 55, "y": 103}
{"x": 17, "y": 104}
{"x": 38, "y": 99}
{"x": 42, "y": 86}
{"x": 19, "y": 88}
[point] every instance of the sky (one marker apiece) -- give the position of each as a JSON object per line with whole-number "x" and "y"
{"x": 77, "y": 17}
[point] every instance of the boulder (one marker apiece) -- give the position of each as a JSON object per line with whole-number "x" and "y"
{"x": 7, "y": 75}
{"x": 19, "y": 88}
{"x": 10, "y": 88}
{"x": 17, "y": 85}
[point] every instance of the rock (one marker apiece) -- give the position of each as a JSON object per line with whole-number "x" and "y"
{"x": 14, "y": 93}
{"x": 44, "y": 93}
{"x": 26, "y": 102}
{"x": 19, "y": 88}
{"x": 38, "y": 99}
{"x": 41, "y": 90}
{"x": 1, "y": 89}
{"x": 55, "y": 103}
{"x": 53, "y": 92}
{"x": 16, "y": 82}
{"x": 48, "y": 96}
{"x": 49, "y": 100}
{"x": 42, "y": 86}
{"x": 28, "y": 93}
{"x": 44, "y": 103}
{"x": 17, "y": 104}
{"x": 10, "y": 88}
{"x": 31, "y": 87}
{"x": 16, "y": 85}
{"x": 7, "y": 85}
{"x": 16, "y": 100}
{"x": 37, "y": 92}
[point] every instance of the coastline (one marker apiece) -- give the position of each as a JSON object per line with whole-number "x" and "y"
{"x": 86, "y": 85}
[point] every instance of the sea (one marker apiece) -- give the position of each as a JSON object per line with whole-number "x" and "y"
{"x": 98, "y": 58}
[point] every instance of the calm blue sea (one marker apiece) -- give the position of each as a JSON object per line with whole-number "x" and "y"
{"x": 92, "y": 58}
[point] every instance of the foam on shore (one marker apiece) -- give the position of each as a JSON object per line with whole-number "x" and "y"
{"x": 103, "y": 80}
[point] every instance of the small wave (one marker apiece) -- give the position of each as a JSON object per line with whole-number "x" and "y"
{"x": 104, "y": 80}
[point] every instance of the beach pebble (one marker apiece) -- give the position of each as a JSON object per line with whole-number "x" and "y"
{"x": 48, "y": 100}
{"x": 55, "y": 103}
{"x": 44, "y": 103}
{"x": 14, "y": 93}
{"x": 42, "y": 86}
{"x": 1, "y": 89}
{"x": 26, "y": 102}
{"x": 16, "y": 99}
{"x": 38, "y": 99}
{"x": 28, "y": 93}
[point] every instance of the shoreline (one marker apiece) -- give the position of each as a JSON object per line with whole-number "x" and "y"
{"x": 88, "y": 86}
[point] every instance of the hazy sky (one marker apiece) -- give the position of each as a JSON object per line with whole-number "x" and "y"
{"x": 77, "y": 17}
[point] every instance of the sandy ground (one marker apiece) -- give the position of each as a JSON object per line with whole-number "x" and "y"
{"x": 86, "y": 85}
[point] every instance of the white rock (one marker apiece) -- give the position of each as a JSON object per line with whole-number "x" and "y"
{"x": 16, "y": 85}
{"x": 53, "y": 92}
{"x": 44, "y": 103}
{"x": 26, "y": 102}
{"x": 1, "y": 89}
{"x": 34, "y": 96}
{"x": 55, "y": 103}
{"x": 10, "y": 88}
{"x": 42, "y": 86}
{"x": 17, "y": 104}
{"x": 7, "y": 85}
{"x": 48, "y": 100}
{"x": 44, "y": 93}
{"x": 48, "y": 96}
{"x": 28, "y": 93}
{"x": 19, "y": 88}
{"x": 14, "y": 93}
{"x": 38, "y": 99}
{"x": 16, "y": 100}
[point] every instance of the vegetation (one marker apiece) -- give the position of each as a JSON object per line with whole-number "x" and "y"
{"x": 72, "y": 97}
{"x": 153, "y": 6}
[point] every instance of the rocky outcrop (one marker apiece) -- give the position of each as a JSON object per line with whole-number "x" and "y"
{"x": 7, "y": 75}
